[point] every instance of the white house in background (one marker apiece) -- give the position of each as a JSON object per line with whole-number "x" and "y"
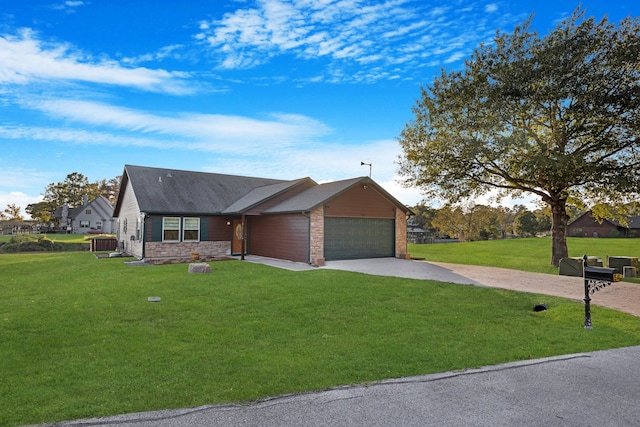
{"x": 95, "y": 217}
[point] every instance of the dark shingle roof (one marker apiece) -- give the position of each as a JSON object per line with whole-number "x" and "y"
{"x": 633, "y": 222}
{"x": 314, "y": 196}
{"x": 261, "y": 194}
{"x": 164, "y": 191}
{"x": 185, "y": 192}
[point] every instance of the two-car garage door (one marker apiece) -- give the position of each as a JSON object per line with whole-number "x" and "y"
{"x": 352, "y": 238}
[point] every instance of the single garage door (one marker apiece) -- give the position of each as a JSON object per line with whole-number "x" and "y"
{"x": 352, "y": 238}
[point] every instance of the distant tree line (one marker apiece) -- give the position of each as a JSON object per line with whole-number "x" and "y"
{"x": 480, "y": 222}
{"x": 70, "y": 191}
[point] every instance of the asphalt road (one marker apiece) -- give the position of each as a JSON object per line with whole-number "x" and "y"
{"x": 590, "y": 389}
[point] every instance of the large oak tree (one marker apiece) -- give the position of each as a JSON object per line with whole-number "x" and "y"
{"x": 552, "y": 116}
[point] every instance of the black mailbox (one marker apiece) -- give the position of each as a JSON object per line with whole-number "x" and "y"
{"x": 600, "y": 273}
{"x": 595, "y": 278}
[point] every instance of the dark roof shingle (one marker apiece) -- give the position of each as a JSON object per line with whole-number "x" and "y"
{"x": 260, "y": 194}
{"x": 186, "y": 192}
{"x": 162, "y": 191}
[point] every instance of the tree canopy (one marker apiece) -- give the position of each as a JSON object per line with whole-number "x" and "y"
{"x": 40, "y": 211}
{"x": 71, "y": 191}
{"x": 552, "y": 116}
{"x": 12, "y": 213}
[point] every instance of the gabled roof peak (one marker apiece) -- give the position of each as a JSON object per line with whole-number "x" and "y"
{"x": 181, "y": 192}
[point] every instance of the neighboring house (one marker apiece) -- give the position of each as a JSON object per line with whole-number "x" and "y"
{"x": 166, "y": 215}
{"x": 16, "y": 227}
{"x": 94, "y": 217}
{"x": 587, "y": 226}
{"x": 417, "y": 235}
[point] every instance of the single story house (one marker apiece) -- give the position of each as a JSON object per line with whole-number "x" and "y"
{"x": 164, "y": 215}
{"x": 417, "y": 235}
{"x": 95, "y": 216}
{"x": 16, "y": 227}
{"x": 587, "y": 226}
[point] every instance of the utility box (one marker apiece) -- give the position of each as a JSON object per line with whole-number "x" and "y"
{"x": 570, "y": 267}
{"x": 573, "y": 266}
{"x": 629, "y": 271}
{"x": 619, "y": 262}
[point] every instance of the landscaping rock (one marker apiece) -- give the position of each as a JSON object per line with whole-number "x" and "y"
{"x": 199, "y": 267}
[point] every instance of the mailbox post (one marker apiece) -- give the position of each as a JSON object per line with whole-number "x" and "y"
{"x": 595, "y": 278}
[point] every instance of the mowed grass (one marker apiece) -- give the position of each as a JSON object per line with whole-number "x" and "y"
{"x": 532, "y": 254}
{"x": 55, "y": 237}
{"x": 80, "y": 339}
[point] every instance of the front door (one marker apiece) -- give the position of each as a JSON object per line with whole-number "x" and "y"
{"x": 236, "y": 240}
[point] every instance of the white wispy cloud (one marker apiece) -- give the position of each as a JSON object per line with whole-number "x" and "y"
{"x": 490, "y": 8}
{"x": 68, "y": 6}
{"x": 20, "y": 178}
{"x": 327, "y": 162}
{"x": 113, "y": 125}
{"x": 26, "y": 59}
{"x": 346, "y": 34}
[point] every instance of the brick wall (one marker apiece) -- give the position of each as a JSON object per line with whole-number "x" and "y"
{"x": 401, "y": 234}
{"x": 161, "y": 253}
{"x": 316, "y": 237}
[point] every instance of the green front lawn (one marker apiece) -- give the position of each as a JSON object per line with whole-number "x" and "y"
{"x": 533, "y": 254}
{"x": 80, "y": 339}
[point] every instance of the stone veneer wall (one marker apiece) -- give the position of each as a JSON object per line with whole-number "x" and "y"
{"x": 316, "y": 236}
{"x": 166, "y": 253}
{"x": 401, "y": 234}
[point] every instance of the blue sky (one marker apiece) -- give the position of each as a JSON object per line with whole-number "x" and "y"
{"x": 273, "y": 88}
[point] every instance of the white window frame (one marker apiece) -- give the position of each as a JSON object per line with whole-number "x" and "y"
{"x": 190, "y": 224}
{"x": 175, "y": 221}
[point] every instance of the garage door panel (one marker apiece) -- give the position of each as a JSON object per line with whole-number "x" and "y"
{"x": 352, "y": 238}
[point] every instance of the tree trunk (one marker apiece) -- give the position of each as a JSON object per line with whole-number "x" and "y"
{"x": 559, "y": 221}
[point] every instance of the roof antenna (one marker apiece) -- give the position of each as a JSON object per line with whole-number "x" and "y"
{"x": 368, "y": 164}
